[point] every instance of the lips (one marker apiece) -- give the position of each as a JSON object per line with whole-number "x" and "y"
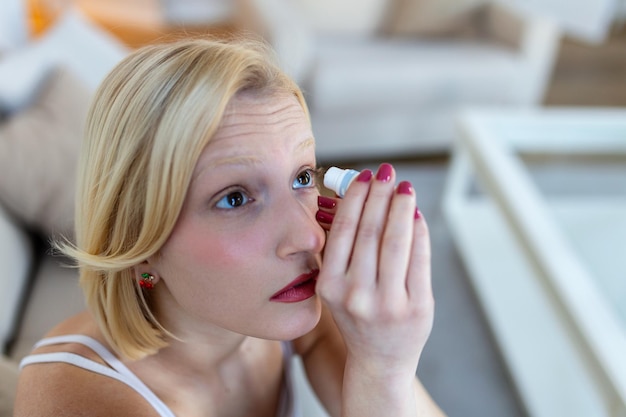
{"x": 300, "y": 289}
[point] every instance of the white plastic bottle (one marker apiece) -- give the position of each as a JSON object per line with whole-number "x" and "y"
{"x": 339, "y": 180}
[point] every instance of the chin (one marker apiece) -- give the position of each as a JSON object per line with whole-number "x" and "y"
{"x": 298, "y": 321}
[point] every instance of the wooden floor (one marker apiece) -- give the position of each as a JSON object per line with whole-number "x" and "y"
{"x": 588, "y": 75}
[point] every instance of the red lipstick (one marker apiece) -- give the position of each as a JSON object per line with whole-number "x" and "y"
{"x": 297, "y": 290}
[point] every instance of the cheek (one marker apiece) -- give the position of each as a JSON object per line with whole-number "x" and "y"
{"x": 218, "y": 266}
{"x": 223, "y": 249}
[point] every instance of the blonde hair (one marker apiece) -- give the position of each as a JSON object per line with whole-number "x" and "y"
{"x": 149, "y": 122}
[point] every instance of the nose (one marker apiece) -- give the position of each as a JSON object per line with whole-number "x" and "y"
{"x": 300, "y": 232}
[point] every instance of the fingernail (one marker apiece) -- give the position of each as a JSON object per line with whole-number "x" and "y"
{"x": 384, "y": 172}
{"x": 365, "y": 176}
{"x": 405, "y": 188}
{"x": 326, "y": 202}
{"x": 418, "y": 214}
{"x": 323, "y": 217}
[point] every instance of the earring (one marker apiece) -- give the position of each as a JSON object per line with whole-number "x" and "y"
{"x": 146, "y": 281}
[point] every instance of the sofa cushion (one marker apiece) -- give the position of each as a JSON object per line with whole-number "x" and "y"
{"x": 38, "y": 153}
{"x": 434, "y": 17}
{"x": 346, "y": 17}
{"x": 358, "y": 76}
{"x": 8, "y": 384}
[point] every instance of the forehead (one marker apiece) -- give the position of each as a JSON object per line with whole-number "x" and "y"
{"x": 253, "y": 126}
{"x": 245, "y": 113}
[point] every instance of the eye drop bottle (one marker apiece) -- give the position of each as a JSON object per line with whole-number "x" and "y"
{"x": 338, "y": 180}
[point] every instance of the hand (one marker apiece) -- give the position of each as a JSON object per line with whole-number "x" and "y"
{"x": 375, "y": 277}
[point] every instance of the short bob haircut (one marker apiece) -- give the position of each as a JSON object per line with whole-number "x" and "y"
{"x": 149, "y": 122}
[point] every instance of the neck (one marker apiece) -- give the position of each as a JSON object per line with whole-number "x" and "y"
{"x": 212, "y": 373}
{"x": 205, "y": 352}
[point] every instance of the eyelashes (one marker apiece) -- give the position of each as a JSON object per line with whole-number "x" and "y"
{"x": 306, "y": 179}
{"x": 318, "y": 173}
{"x": 233, "y": 200}
{"x": 237, "y": 196}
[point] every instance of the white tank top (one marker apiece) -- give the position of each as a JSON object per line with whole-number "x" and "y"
{"x": 288, "y": 406}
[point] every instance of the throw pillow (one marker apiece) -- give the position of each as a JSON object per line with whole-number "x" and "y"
{"x": 20, "y": 80}
{"x": 434, "y": 17}
{"x": 13, "y": 24}
{"x": 78, "y": 44}
{"x": 38, "y": 154}
{"x": 72, "y": 42}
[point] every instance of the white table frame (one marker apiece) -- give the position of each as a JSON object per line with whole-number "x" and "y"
{"x": 564, "y": 347}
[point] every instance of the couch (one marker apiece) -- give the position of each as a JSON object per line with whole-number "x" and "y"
{"x": 45, "y": 88}
{"x": 386, "y": 78}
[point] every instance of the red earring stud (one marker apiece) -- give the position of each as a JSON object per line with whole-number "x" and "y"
{"x": 146, "y": 281}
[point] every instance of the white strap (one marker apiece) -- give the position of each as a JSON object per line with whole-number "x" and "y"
{"x": 73, "y": 359}
{"x": 290, "y": 405}
{"x": 94, "y": 345}
{"x": 119, "y": 372}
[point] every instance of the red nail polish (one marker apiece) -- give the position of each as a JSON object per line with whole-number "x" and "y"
{"x": 365, "y": 176}
{"x": 405, "y": 188}
{"x": 418, "y": 214}
{"x": 326, "y": 202}
{"x": 384, "y": 172}
{"x": 323, "y": 217}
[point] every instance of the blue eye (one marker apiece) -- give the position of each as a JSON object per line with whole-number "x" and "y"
{"x": 304, "y": 180}
{"x": 233, "y": 200}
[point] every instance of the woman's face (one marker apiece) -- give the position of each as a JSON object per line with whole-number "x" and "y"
{"x": 247, "y": 232}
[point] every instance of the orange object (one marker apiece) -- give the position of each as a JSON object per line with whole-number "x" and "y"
{"x": 134, "y": 22}
{"x": 43, "y": 13}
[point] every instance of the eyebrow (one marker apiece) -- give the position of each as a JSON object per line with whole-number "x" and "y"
{"x": 247, "y": 160}
{"x": 251, "y": 160}
{"x": 307, "y": 143}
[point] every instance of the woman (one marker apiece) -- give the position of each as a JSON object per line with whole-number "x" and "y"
{"x": 199, "y": 237}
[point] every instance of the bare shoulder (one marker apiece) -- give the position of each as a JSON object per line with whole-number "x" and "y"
{"x": 63, "y": 389}
{"x": 59, "y": 389}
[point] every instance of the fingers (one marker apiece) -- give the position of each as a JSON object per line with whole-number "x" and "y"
{"x": 345, "y": 222}
{"x": 381, "y": 229}
{"x": 327, "y": 206}
{"x": 397, "y": 243}
{"x": 372, "y": 225}
{"x": 375, "y": 276}
{"x": 419, "y": 273}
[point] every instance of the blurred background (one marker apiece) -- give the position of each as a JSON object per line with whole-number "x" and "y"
{"x": 386, "y": 81}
